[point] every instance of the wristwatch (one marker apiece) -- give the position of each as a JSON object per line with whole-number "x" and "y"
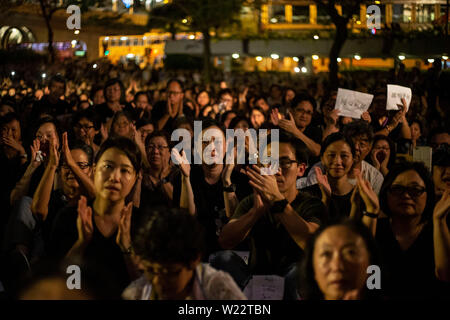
{"x": 230, "y": 188}
{"x": 278, "y": 206}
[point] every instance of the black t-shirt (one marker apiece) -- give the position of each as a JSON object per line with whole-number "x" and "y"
{"x": 339, "y": 207}
{"x": 410, "y": 273}
{"x": 44, "y": 105}
{"x": 273, "y": 250}
{"x": 105, "y": 113}
{"x": 102, "y": 251}
{"x": 160, "y": 109}
{"x": 315, "y": 134}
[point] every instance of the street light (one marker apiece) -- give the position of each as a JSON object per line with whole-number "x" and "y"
{"x": 297, "y": 69}
{"x": 401, "y": 57}
{"x": 430, "y": 60}
{"x": 315, "y": 57}
{"x": 338, "y": 59}
{"x": 235, "y": 55}
{"x": 316, "y": 37}
{"x": 258, "y": 58}
{"x": 444, "y": 57}
{"x": 94, "y": 66}
{"x": 296, "y": 59}
{"x": 304, "y": 70}
{"x": 274, "y": 56}
{"x": 13, "y": 73}
{"x": 43, "y": 76}
{"x": 76, "y": 31}
{"x": 357, "y": 57}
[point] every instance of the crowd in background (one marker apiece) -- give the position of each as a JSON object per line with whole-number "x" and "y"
{"x": 88, "y": 178}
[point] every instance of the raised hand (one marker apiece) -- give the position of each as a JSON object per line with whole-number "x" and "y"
{"x": 84, "y": 221}
{"x": 288, "y": 125}
{"x": 10, "y": 142}
{"x": 226, "y": 173}
{"x": 104, "y": 132}
{"x": 332, "y": 117}
{"x": 374, "y": 158}
{"x": 366, "y": 116}
{"x": 65, "y": 149}
{"x": 181, "y": 161}
{"x": 54, "y": 156}
{"x": 265, "y": 185}
{"x": 322, "y": 180}
{"x": 274, "y": 116}
{"x": 123, "y": 238}
{"x": 367, "y": 194}
{"x": 442, "y": 208}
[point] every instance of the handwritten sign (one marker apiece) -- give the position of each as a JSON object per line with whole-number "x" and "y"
{"x": 352, "y": 103}
{"x": 268, "y": 287}
{"x": 394, "y": 95}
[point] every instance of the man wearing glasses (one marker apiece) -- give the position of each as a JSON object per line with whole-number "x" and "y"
{"x": 277, "y": 218}
{"x": 166, "y": 112}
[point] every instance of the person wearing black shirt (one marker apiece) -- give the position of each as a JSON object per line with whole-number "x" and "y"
{"x": 52, "y": 104}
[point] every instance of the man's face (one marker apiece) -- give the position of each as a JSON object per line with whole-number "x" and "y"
{"x": 227, "y": 101}
{"x": 362, "y": 147}
{"x": 99, "y": 97}
{"x": 11, "y": 130}
{"x": 56, "y": 89}
{"x": 113, "y": 93}
{"x": 85, "y": 130}
{"x": 441, "y": 179}
{"x": 142, "y": 102}
{"x": 303, "y": 113}
{"x": 439, "y": 139}
{"x": 174, "y": 93}
{"x": 289, "y": 169}
{"x": 262, "y": 104}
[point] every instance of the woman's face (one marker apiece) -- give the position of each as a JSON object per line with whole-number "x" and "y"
{"x": 381, "y": 147}
{"x": 407, "y": 195}
{"x": 114, "y": 175}
{"x": 169, "y": 280}
{"x": 122, "y": 127}
{"x": 415, "y": 131}
{"x": 257, "y": 119}
{"x": 290, "y": 95}
{"x": 84, "y": 130}
{"x": 340, "y": 261}
{"x": 337, "y": 159}
{"x": 146, "y": 130}
{"x": 45, "y": 134}
{"x": 113, "y": 93}
{"x": 67, "y": 175}
{"x": 203, "y": 99}
{"x": 158, "y": 152}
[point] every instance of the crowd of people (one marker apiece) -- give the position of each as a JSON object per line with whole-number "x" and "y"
{"x": 91, "y": 176}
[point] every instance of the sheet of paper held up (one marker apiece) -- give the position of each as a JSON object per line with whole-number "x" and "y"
{"x": 394, "y": 95}
{"x": 352, "y": 103}
{"x": 423, "y": 154}
{"x": 267, "y": 287}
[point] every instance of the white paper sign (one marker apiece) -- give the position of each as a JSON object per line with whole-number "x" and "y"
{"x": 394, "y": 95}
{"x": 352, "y": 103}
{"x": 269, "y": 287}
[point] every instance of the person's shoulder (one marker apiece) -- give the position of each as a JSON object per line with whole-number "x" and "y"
{"x": 136, "y": 289}
{"x": 218, "y": 285}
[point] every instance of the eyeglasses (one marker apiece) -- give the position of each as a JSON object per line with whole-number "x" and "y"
{"x": 153, "y": 147}
{"x": 414, "y": 192}
{"x": 382, "y": 148}
{"x": 174, "y": 93}
{"x": 81, "y": 165}
{"x": 303, "y": 111}
{"x": 286, "y": 163}
{"x": 85, "y": 127}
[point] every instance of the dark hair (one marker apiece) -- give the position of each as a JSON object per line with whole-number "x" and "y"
{"x": 304, "y": 97}
{"x": 422, "y": 171}
{"x": 58, "y": 78}
{"x": 334, "y": 137}
{"x": 438, "y": 130}
{"x": 112, "y": 82}
{"x": 177, "y": 81}
{"x": 225, "y": 91}
{"x": 89, "y": 114}
{"x": 157, "y": 133}
{"x": 441, "y": 156}
{"x": 94, "y": 90}
{"x": 116, "y": 118}
{"x": 44, "y": 120}
{"x": 236, "y": 120}
{"x": 143, "y": 122}
{"x": 125, "y": 145}
{"x": 9, "y": 117}
{"x": 140, "y": 93}
{"x": 391, "y": 143}
{"x": 309, "y": 289}
{"x": 300, "y": 149}
{"x": 358, "y": 128}
{"x": 169, "y": 236}
{"x": 224, "y": 116}
{"x": 201, "y": 91}
{"x": 87, "y": 149}
{"x": 208, "y": 123}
